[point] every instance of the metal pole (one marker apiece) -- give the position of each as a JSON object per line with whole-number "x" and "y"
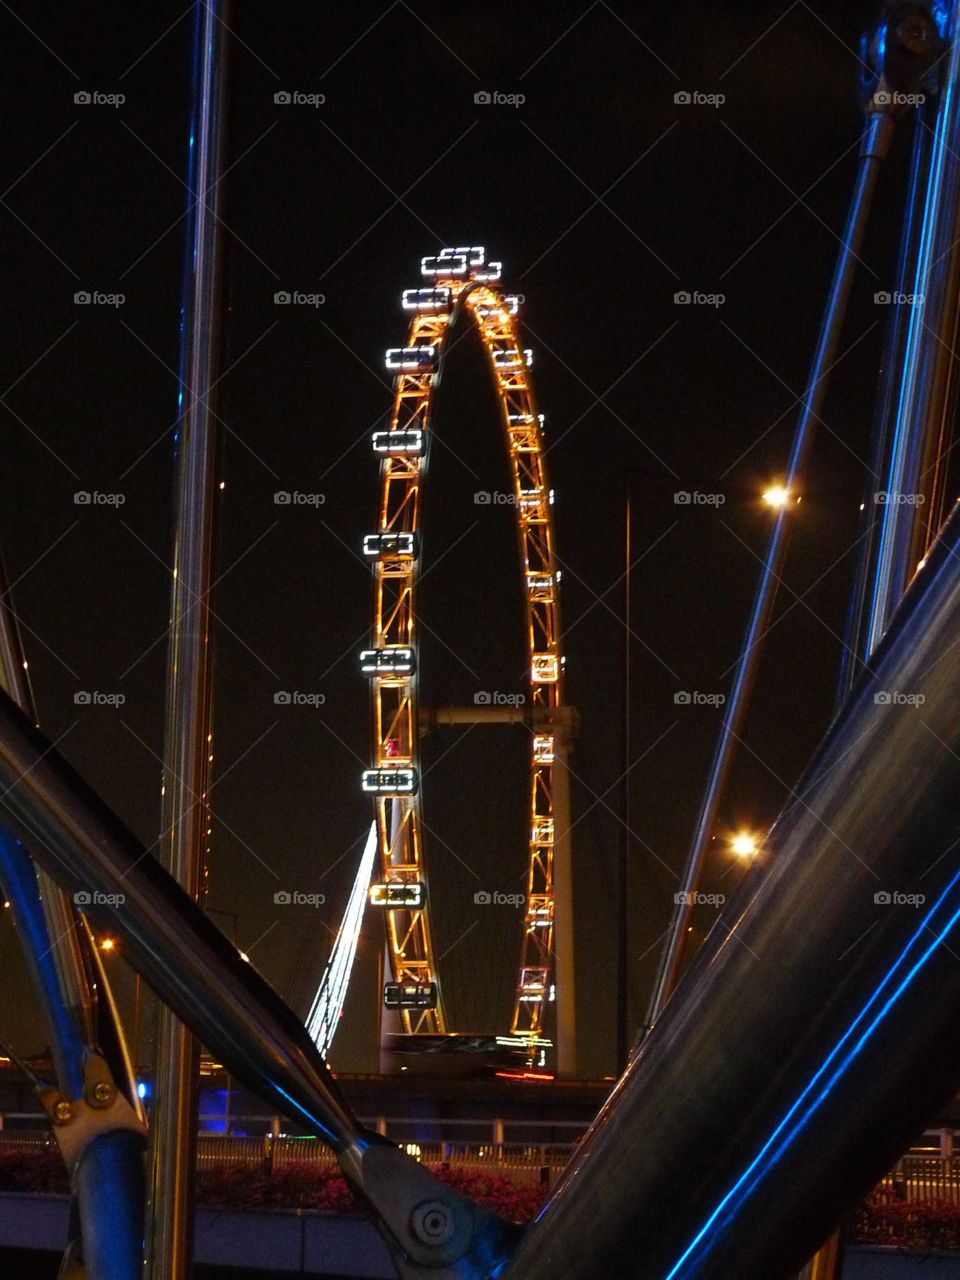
{"x": 564, "y": 719}
{"x": 855, "y": 649}
{"x": 106, "y": 1229}
{"x": 623, "y": 858}
{"x": 190, "y": 655}
{"x": 927, "y": 376}
{"x": 876, "y": 141}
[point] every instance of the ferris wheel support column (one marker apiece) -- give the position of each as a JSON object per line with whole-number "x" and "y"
{"x": 564, "y": 720}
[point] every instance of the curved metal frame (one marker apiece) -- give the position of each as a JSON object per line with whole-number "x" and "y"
{"x": 463, "y": 282}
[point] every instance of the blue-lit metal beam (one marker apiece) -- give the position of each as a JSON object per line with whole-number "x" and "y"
{"x": 926, "y": 376}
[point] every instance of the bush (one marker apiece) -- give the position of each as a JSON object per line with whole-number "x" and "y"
{"x": 884, "y": 1219}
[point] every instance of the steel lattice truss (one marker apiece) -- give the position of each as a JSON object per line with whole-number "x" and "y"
{"x": 462, "y": 281}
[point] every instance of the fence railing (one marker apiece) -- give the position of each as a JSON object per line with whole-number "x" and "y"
{"x": 917, "y": 1178}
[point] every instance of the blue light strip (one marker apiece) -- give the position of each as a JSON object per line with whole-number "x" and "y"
{"x": 757, "y": 1170}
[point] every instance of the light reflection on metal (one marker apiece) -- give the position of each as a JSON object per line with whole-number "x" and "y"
{"x": 926, "y": 377}
{"x": 324, "y": 1016}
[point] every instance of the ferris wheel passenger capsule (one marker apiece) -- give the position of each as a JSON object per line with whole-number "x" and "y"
{"x": 427, "y": 301}
{"x": 398, "y": 442}
{"x": 390, "y": 780}
{"x": 440, "y": 268}
{"x": 474, "y": 254}
{"x": 411, "y": 359}
{"x": 380, "y": 546}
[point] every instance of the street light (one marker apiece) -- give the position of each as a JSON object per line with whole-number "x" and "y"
{"x": 776, "y": 496}
{"x": 744, "y": 845}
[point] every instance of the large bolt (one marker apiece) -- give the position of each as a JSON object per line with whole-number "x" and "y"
{"x": 102, "y": 1092}
{"x": 915, "y": 33}
{"x": 433, "y": 1222}
{"x": 62, "y": 1112}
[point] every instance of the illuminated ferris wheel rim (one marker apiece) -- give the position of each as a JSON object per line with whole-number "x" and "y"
{"x": 461, "y": 280}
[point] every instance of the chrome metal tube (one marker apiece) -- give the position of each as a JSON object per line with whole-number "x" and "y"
{"x": 927, "y": 377}
{"x": 816, "y": 1032}
{"x": 165, "y": 935}
{"x": 184, "y": 811}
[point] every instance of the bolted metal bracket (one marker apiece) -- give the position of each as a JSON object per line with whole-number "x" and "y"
{"x": 101, "y": 1109}
{"x": 432, "y": 1230}
{"x": 904, "y": 50}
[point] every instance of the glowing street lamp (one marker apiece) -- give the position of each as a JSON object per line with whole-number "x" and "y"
{"x": 744, "y": 845}
{"x": 776, "y": 496}
{"x": 107, "y": 944}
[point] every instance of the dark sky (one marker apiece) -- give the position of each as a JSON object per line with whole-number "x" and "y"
{"x": 603, "y": 197}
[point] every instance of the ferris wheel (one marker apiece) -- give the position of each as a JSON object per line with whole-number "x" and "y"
{"x": 463, "y": 282}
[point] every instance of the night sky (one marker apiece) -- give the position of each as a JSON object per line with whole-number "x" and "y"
{"x": 603, "y": 197}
